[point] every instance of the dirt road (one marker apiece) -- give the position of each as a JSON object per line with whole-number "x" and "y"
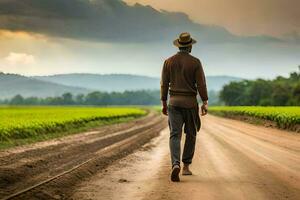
{"x": 51, "y": 169}
{"x": 233, "y": 160}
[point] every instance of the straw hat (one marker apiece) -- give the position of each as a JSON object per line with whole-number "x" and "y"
{"x": 184, "y": 40}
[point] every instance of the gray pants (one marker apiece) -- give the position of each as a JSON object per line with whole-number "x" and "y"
{"x": 177, "y": 118}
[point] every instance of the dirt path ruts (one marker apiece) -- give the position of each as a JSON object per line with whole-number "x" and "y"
{"x": 24, "y": 166}
{"x": 233, "y": 160}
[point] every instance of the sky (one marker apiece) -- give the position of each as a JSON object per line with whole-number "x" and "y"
{"x": 107, "y": 36}
{"x": 243, "y": 17}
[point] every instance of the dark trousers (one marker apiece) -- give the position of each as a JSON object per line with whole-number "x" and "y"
{"x": 179, "y": 117}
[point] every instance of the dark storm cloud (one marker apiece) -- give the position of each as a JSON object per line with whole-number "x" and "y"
{"x": 105, "y": 20}
{"x": 94, "y": 20}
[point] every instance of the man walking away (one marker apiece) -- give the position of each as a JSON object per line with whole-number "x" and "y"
{"x": 182, "y": 77}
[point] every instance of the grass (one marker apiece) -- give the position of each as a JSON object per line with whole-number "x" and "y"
{"x": 23, "y": 125}
{"x": 157, "y": 108}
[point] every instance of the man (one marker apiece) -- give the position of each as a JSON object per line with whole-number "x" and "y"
{"x": 182, "y": 77}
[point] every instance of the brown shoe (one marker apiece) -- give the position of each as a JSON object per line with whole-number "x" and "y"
{"x": 186, "y": 170}
{"x": 175, "y": 173}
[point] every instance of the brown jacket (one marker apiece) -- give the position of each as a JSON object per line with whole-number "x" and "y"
{"x": 182, "y": 76}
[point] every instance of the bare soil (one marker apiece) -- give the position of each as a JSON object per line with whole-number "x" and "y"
{"x": 233, "y": 160}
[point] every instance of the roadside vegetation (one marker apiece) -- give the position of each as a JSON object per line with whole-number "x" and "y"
{"x": 283, "y": 117}
{"x": 20, "y": 125}
{"x": 278, "y": 92}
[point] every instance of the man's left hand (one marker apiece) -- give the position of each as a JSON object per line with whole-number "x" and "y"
{"x": 164, "y": 109}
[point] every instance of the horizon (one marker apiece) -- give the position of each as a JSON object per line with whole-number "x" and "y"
{"x": 139, "y": 75}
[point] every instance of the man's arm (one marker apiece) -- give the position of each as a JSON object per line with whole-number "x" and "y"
{"x": 164, "y": 87}
{"x": 202, "y": 89}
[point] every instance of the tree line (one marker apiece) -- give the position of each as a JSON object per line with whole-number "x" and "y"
{"x": 144, "y": 97}
{"x": 278, "y": 92}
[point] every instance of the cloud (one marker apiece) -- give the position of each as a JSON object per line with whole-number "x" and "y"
{"x": 19, "y": 59}
{"x": 104, "y": 20}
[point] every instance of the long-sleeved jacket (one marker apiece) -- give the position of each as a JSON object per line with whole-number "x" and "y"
{"x": 182, "y": 76}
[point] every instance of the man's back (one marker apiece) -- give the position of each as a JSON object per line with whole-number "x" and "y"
{"x": 183, "y": 75}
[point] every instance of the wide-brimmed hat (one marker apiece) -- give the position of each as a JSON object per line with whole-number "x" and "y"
{"x": 184, "y": 40}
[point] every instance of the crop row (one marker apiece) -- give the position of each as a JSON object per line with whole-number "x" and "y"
{"x": 26, "y": 122}
{"x": 284, "y": 117}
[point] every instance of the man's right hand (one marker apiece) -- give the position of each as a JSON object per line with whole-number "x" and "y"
{"x": 204, "y": 109}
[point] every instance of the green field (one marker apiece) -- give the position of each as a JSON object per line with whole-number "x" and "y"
{"x": 284, "y": 117}
{"x": 22, "y": 124}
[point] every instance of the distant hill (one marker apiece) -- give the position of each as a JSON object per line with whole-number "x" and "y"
{"x": 122, "y": 82}
{"x": 13, "y": 84}
{"x": 108, "y": 83}
{"x": 56, "y": 85}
